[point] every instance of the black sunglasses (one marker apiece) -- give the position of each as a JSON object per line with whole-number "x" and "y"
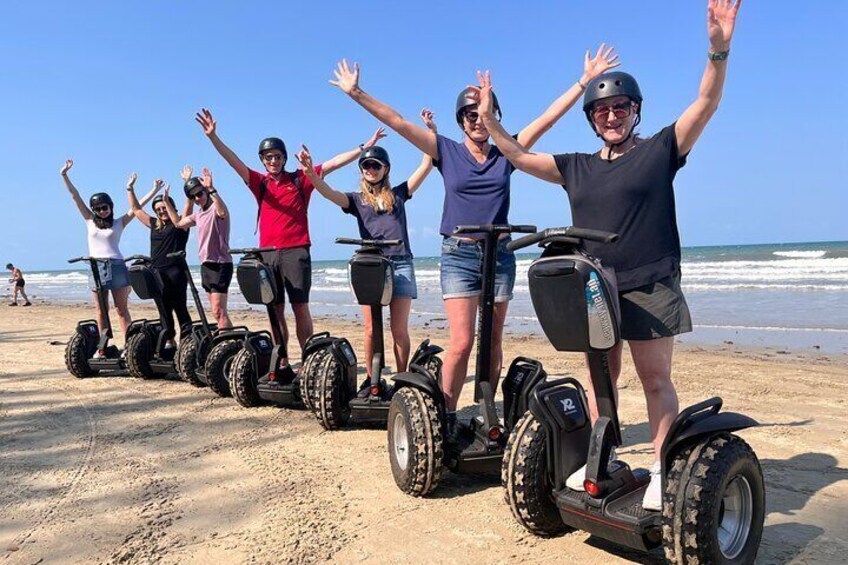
{"x": 99, "y": 209}
{"x": 371, "y": 165}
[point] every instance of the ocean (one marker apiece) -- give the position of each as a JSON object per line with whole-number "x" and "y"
{"x": 791, "y": 296}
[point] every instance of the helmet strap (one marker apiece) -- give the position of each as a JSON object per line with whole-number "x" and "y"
{"x": 613, "y": 146}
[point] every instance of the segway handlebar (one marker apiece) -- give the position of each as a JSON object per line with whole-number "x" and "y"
{"x": 176, "y": 255}
{"x": 86, "y": 258}
{"x": 136, "y": 258}
{"x": 246, "y": 250}
{"x": 494, "y": 228}
{"x": 368, "y": 242}
{"x": 571, "y": 231}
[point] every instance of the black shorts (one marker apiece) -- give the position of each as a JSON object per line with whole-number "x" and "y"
{"x": 216, "y": 277}
{"x": 20, "y": 283}
{"x": 292, "y": 271}
{"x": 655, "y": 310}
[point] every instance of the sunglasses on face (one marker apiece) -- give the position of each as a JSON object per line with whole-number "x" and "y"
{"x": 471, "y": 117}
{"x": 619, "y": 111}
{"x": 99, "y": 209}
{"x": 161, "y": 210}
{"x": 272, "y": 157}
{"x": 371, "y": 166}
{"x": 197, "y": 194}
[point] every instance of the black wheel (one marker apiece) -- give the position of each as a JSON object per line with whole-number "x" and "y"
{"x": 415, "y": 441}
{"x": 714, "y": 503}
{"x": 526, "y": 482}
{"x": 219, "y": 365}
{"x": 330, "y": 400}
{"x": 139, "y": 350}
{"x": 243, "y": 379}
{"x": 308, "y": 374}
{"x": 77, "y": 355}
{"x": 186, "y": 362}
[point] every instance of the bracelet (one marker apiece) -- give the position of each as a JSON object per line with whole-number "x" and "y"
{"x": 211, "y": 192}
{"x": 718, "y": 55}
{"x": 130, "y": 188}
{"x": 581, "y": 85}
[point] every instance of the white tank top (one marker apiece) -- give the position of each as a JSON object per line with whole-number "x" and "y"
{"x": 103, "y": 244}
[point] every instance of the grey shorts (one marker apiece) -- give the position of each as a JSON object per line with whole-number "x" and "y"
{"x": 292, "y": 273}
{"x": 655, "y": 310}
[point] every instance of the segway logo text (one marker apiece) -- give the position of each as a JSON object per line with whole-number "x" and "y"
{"x": 598, "y": 311}
{"x": 568, "y": 406}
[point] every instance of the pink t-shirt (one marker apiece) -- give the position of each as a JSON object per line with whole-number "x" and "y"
{"x": 213, "y": 236}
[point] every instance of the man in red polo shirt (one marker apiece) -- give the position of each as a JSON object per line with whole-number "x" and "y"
{"x": 283, "y": 199}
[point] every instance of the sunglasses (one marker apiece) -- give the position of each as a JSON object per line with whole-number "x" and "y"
{"x": 161, "y": 210}
{"x": 198, "y": 194}
{"x": 270, "y": 158}
{"x": 99, "y": 209}
{"x": 471, "y": 117}
{"x": 619, "y": 111}
{"x": 371, "y": 165}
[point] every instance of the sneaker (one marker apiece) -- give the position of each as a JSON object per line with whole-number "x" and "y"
{"x": 285, "y": 376}
{"x": 28, "y": 303}
{"x": 653, "y": 494}
{"x": 13, "y": 303}
{"x": 575, "y": 480}
{"x": 99, "y": 354}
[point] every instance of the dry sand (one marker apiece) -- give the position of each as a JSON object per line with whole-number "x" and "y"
{"x": 118, "y": 470}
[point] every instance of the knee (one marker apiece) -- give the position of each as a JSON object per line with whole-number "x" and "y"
{"x": 122, "y": 310}
{"x": 655, "y": 382}
{"x": 461, "y": 348}
{"x": 219, "y": 311}
{"x": 400, "y": 335}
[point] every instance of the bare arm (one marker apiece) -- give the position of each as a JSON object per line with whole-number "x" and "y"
{"x": 343, "y": 159}
{"x": 604, "y": 60}
{"x": 136, "y": 207}
{"x": 416, "y": 179}
{"x": 541, "y": 165}
{"x": 205, "y": 119}
{"x": 83, "y": 209}
{"x": 721, "y": 19}
{"x": 348, "y": 81}
{"x": 338, "y": 198}
{"x": 220, "y": 208}
{"x": 185, "y": 222}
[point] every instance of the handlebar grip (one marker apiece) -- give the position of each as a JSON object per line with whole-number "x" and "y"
{"x": 136, "y": 258}
{"x": 348, "y": 241}
{"x": 176, "y": 254}
{"x": 522, "y": 229}
{"x": 471, "y": 229}
{"x": 77, "y": 259}
{"x": 526, "y": 241}
{"x": 592, "y": 235}
{"x": 246, "y": 250}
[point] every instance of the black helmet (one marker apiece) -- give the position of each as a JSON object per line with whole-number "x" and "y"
{"x": 192, "y": 187}
{"x": 609, "y": 85}
{"x": 272, "y": 143}
{"x": 468, "y": 98}
{"x": 160, "y": 197}
{"x": 9, "y": 266}
{"x": 376, "y": 153}
{"x": 99, "y": 199}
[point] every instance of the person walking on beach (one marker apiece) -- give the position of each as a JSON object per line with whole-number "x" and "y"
{"x": 166, "y": 238}
{"x": 380, "y": 212}
{"x": 627, "y": 188}
{"x": 283, "y": 199}
{"x": 104, "y": 238}
{"x": 477, "y": 191}
{"x": 19, "y": 283}
{"x": 213, "y": 239}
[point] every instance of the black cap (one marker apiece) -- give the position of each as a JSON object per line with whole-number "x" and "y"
{"x": 468, "y": 98}
{"x": 609, "y": 85}
{"x": 376, "y": 153}
{"x": 99, "y": 199}
{"x": 192, "y": 187}
{"x": 272, "y": 143}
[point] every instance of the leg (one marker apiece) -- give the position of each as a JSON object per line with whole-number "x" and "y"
{"x": 369, "y": 339}
{"x": 101, "y": 314}
{"x": 461, "y": 313}
{"x": 218, "y": 301}
{"x": 280, "y": 309}
{"x": 180, "y": 297}
{"x": 399, "y": 321}
{"x": 652, "y": 359}
{"x": 303, "y": 322}
{"x": 497, "y": 343}
{"x": 24, "y": 294}
{"x": 614, "y": 357}
{"x": 121, "y": 297}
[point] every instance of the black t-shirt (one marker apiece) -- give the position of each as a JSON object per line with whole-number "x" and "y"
{"x": 164, "y": 241}
{"x": 375, "y": 224}
{"x": 632, "y": 196}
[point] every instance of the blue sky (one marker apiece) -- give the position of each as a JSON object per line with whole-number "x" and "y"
{"x": 115, "y": 87}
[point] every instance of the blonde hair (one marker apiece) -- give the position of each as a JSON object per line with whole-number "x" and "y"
{"x": 376, "y": 196}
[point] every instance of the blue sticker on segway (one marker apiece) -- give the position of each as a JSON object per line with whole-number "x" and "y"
{"x": 599, "y": 317}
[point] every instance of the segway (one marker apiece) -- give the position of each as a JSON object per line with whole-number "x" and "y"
{"x": 88, "y": 352}
{"x": 147, "y": 356}
{"x": 713, "y": 493}
{"x": 419, "y": 445}
{"x": 328, "y": 376}
{"x": 260, "y": 351}
{"x": 194, "y": 352}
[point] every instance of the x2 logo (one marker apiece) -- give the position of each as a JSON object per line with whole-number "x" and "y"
{"x": 568, "y": 407}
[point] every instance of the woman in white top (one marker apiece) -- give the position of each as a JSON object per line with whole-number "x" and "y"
{"x": 104, "y": 235}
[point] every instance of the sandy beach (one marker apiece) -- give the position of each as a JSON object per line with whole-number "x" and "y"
{"x": 119, "y": 470}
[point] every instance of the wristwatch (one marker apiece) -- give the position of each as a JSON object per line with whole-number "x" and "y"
{"x": 718, "y": 55}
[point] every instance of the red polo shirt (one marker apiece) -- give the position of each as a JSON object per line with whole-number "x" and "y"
{"x": 282, "y": 208}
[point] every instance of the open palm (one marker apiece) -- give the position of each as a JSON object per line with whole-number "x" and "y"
{"x": 721, "y": 19}
{"x": 605, "y": 59}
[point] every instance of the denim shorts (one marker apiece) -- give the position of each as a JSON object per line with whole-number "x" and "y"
{"x": 462, "y": 269}
{"x": 403, "y": 284}
{"x": 113, "y": 275}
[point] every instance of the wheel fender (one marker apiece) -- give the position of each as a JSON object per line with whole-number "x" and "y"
{"x": 135, "y": 327}
{"x": 88, "y": 329}
{"x": 523, "y": 376}
{"x": 424, "y": 351}
{"x": 710, "y": 425}
{"x": 230, "y": 334}
{"x": 422, "y": 382}
{"x": 259, "y": 343}
{"x": 315, "y": 342}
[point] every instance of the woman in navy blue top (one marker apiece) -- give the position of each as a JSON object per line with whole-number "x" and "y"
{"x": 477, "y": 180}
{"x": 380, "y": 212}
{"x": 626, "y": 188}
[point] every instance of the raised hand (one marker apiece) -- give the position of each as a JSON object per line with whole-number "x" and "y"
{"x": 347, "y": 79}
{"x": 378, "y": 135}
{"x": 485, "y": 103}
{"x": 166, "y": 191}
{"x": 157, "y": 185}
{"x": 605, "y": 59}
{"x": 131, "y": 181}
{"x": 721, "y": 19}
{"x": 206, "y": 178}
{"x": 66, "y": 167}
{"x": 206, "y": 121}
{"x": 427, "y": 117}
{"x": 185, "y": 174}
{"x": 305, "y": 159}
